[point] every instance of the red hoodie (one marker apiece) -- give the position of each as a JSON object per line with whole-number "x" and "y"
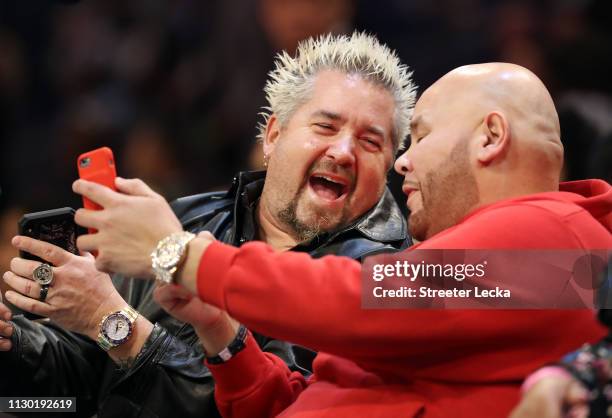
{"x": 399, "y": 363}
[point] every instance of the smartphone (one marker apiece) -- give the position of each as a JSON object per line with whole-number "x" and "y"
{"x": 97, "y": 166}
{"x": 55, "y": 226}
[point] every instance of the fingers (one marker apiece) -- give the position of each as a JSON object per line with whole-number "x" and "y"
{"x": 5, "y": 344}
{"x": 6, "y": 329}
{"x": 28, "y": 304}
{"x": 23, "y": 267}
{"x": 167, "y": 295}
{"x": 207, "y": 235}
{"x": 22, "y": 285}
{"x": 88, "y": 255}
{"x": 88, "y": 242}
{"x": 5, "y": 312}
{"x": 134, "y": 187}
{"x": 102, "y": 195}
{"x": 89, "y": 218}
{"x": 49, "y": 252}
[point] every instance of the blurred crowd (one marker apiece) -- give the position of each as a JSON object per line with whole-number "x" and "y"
{"x": 175, "y": 86}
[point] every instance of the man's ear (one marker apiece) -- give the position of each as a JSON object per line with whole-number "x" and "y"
{"x": 495, "y": 139}
{"x": 272, "y": 135}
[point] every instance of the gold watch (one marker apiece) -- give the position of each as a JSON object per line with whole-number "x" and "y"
{"x": 169, "y": 254}
{"x": 116, "y": 328}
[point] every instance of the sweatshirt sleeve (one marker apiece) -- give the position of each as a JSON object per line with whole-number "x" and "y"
{"x": 289, "y": 285}
{"x": 317, "y": 303}
{"x": 254, "y": 384}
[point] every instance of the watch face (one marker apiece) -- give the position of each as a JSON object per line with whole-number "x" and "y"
{"x": 169, "y": 255}
{"x": 117, "y": 328}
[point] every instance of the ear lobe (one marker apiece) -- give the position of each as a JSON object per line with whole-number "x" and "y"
{"x": 496, "y": 138}
{"x": 272, "y": 135}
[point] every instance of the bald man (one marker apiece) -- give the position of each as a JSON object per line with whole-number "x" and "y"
{"x": 481, "y": 173}
{"x": 496, "y": 137}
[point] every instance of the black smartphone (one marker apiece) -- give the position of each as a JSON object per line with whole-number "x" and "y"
{"x": 55, "y": 226}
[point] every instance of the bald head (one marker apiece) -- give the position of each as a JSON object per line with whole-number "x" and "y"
{"x": 480, "y": 134}
{"x": 512, "y": 88}
{"x": 522, "y": 99}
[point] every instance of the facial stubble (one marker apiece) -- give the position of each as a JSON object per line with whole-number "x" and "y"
{"x": 448, "y": 193}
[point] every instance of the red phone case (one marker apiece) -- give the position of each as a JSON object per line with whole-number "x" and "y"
{"x": 97, "y": 166}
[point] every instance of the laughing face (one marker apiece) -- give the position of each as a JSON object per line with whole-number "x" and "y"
{"x": 328, "y": 164}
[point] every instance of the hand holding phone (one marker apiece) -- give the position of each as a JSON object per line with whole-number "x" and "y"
{"x": 97, "y": 166}
{"x": 55, "y": 226}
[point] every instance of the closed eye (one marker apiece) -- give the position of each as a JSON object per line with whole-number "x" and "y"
{"x": 417, "y": 139}
{"x": 371, "y": 144}
{"x": 324, "y": 128}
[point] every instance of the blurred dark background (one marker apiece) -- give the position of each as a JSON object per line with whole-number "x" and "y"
{"x": 175, "y": 86}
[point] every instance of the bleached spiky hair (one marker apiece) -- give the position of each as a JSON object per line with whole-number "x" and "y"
{"x": 290, "y": 83}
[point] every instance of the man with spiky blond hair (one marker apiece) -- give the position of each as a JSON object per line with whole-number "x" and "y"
{"x": 338, "y": 112}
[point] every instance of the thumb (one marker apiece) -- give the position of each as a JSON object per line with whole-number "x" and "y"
{"x": 134, "y": 187}
{"x": 206, "y": 234}
{"x": 88, "y": 255}
{"x": 5, "y": 312}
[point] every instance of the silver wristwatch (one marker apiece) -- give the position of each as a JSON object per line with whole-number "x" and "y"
{"x": 116, "y": 328}
{"x": 169, "y": 254}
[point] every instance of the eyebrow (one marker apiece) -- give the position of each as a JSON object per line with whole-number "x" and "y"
{"x": 414, "y": 124}
{"x": 337, "y": 117}
{"x": 376, "y": 131}
{"x": 327, "y": 114}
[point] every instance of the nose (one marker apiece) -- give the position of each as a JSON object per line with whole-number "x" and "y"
{"x": 403, "y": 164}
{"x": 342, "y": 151}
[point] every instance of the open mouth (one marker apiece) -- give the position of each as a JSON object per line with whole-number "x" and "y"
{"x": 328, "y": 187}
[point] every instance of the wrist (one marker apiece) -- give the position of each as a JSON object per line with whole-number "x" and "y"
{"x": 214, "y": 339}
{"x": 125, "y": 354}
{"x": 103, "y": 310}
{"x": 235, "y": 346}
{"x": 169, "y": 255}
{"x": 187, "y": 273}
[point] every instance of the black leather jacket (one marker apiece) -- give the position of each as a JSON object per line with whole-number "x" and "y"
{"x": 169, "y": 377}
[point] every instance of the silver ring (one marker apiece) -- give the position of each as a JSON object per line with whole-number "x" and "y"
{"x": 43, "y": 274}
{"x": 44, "y": 289}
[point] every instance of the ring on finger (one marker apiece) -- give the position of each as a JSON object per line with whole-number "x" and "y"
{"x": 44, "y": 289}
{"x": 43, "y": 274}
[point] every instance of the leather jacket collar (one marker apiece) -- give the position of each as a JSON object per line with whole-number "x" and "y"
{"x": 383, "y": 223}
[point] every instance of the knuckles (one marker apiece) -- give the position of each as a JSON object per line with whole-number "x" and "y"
{"x": 105, "y": 219}
{"x": 66, "y": 272}
{"x": 78, "y": 216}
{"x": 33, "y": 308}
{"x": 14, "y": 263}
{"x": 49, "y": 253}
{"x": 28, "y": 288}
{"x": 103, "y": 263}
